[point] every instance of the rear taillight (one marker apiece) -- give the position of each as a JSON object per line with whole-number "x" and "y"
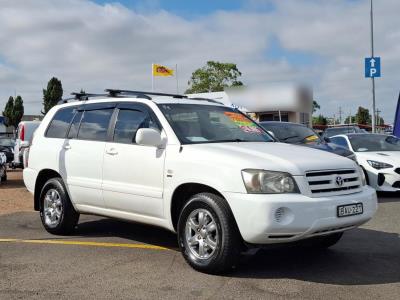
{"x": 22, "y": 133}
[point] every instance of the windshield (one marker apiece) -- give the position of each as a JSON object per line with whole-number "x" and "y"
{"x": 292, "y": 133}
{"x": 7, "y": 142}
{"x": 194, "y": 124}
{"x": 374, "y": 142}
{"x": 340, "y": 130}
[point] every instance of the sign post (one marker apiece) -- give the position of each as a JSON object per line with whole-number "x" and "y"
{"x": 372, "y": 69}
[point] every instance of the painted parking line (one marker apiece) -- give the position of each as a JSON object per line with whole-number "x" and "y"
{"x": 84, "y": 243}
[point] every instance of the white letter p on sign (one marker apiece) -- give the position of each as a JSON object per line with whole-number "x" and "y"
{"x": 372, "y": 72}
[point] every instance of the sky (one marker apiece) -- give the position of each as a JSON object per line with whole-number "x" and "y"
{"x": 111, "y": 44}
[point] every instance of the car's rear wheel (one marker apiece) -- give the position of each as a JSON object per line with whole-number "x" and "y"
{"x": 56, "y": 212}
{"x": 207, "y": 234}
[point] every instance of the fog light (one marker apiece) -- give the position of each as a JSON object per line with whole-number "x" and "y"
{"x": 284, "y": 215}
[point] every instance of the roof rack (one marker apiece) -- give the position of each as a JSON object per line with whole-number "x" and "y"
{"x": 81, "y": 97}
{"x": 205, "y": 99}
{"x": 140, "y": 94}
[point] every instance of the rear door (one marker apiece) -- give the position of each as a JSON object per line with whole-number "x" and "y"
{"x": 81, "y": 158}
{"x": 133, "y": 174}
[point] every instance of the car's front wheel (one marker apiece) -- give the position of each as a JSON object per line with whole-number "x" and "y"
{"x": 56, "y": 212}
{"x": 207, "y": 234}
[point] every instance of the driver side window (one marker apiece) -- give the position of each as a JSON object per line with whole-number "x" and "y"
{"x": 128, "y": 122}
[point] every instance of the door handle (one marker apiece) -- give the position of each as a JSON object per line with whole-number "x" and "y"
{"x": 67, "y": 147}
{"x": 112, "y": 151}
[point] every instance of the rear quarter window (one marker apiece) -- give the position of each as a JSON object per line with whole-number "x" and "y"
{"x": 59, "y": 125}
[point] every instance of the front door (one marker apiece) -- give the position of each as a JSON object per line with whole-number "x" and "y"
{"x": 133, "y": 174}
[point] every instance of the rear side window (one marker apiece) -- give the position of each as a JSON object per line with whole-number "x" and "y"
{"x": 59, "y": 125}
{"x": 94, "y": 124}
{"x": 73, "y": 131}
{"x": 128, "y": 122}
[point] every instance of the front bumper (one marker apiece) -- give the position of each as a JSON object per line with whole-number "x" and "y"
{"x": 281, "y": 218}
{"x": 390, "y": 183}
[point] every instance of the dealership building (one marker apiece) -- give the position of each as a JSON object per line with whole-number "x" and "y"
{"x": 286, "y": 103}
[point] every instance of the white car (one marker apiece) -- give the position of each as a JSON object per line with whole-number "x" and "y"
{"x": 25, "y": 133}
{"x": 195, "y": 167}
{"x": 378, "y": 155}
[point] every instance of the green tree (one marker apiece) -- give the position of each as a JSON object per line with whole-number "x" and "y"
{"x": 52, "y": 94}
{"x": 315, "y": 106}
{"x": 214, "y": 77}
{"x": 380, "y": 121}
{"x": 350, "y": 121}
{"x": 320, "y": 120}
{"x": 18, "y": 110}
{"x": 13, "y": 111}
{"x": 363, "y": 116}
{"x": 8, "y": 112}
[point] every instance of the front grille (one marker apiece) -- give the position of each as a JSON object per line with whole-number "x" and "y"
{"x": 333, "y": 182}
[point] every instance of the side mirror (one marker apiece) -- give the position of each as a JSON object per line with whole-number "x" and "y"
{"x": 326, "y": 139}
{"x": 148, "y": 137}
{"x": 24, "y": 144}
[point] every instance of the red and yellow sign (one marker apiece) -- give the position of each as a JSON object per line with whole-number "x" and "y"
{"x": 243, "y": 123}
{"x": 160, "y": 70}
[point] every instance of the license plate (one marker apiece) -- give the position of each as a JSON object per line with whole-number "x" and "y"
{"x": 350, "y": 210}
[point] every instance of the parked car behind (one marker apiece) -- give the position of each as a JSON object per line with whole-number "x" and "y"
{"x": 7, "y": 145}
{"x": 24, "y": 135}
{"x": 3, "y": 167}
{"x": 378, "y": 155}
{"x": 195, "y": 167}
{"x": 331, "y": 131}
{"x": 298, "y": 134}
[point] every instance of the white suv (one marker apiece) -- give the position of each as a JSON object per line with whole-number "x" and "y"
{"x": 195, "y": 167}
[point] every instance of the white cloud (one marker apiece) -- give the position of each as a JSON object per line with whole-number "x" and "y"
{"x": 94, "y": 46}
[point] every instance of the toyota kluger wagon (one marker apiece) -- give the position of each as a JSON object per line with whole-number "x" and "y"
{"x": 194, "y": 166}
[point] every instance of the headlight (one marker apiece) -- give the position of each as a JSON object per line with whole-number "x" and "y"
{"x": 379, "y": 165}
{"x": 268, "y": 182}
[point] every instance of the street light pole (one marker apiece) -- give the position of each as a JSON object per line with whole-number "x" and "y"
{"x": 373, "y": 78}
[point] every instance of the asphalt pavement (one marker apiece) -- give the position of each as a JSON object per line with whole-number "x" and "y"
{"x": 107, "y": 258}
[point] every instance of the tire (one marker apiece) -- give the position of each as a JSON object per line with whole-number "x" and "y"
{"x": 3, "y": 171}
{"x": 56, "y": 211}
{"x": 223, "y": 235}
{"x": 327, "y": 241}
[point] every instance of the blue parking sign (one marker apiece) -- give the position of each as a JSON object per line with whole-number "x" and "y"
{"x": 372, "y": 67}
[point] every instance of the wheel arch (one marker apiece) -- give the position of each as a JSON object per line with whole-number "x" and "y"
{"x": 43, "y": 176}
{"x": 184, "y": 192}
